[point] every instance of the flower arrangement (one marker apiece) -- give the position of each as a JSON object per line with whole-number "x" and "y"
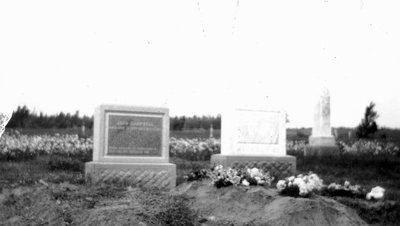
{"x": 302, "y": 185}
{"x": 355, "y": 191}
{"x": 295, "y": 186}
{"x": 376, "y": 193}
{"x": 256, "y": 176}
{"x": 346, "y": 190}
{"x": 223, "y": 177}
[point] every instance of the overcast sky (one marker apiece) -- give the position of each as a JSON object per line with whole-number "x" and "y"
{"x": 193, "y": 56}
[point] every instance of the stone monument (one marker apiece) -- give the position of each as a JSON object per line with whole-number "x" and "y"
{"x": 321, "y": 141}
{"x": 254, "y": 135}
{"x": 4, "y": 118}
{"x": 131, "y": 147}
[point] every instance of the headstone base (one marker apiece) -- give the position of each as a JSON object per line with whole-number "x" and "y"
{"x": 322, "y": 141}
{"x": 149, "y": 175}
{"x": 321, "y": 146}
{"x": 321, "y": 151}
{"x": 278, "y": 166}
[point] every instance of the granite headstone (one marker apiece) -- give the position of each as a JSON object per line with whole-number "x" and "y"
{"x": 131, "y": 146}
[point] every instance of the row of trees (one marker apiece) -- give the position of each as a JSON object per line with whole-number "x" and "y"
{"x": 195, "y": 122}
{"x": 24, "y": 118}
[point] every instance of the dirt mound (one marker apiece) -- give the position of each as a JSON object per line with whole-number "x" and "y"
{"x": 24, "y": 205}
{"x": 67, "y": 204}
{"x": 259, "y": 206}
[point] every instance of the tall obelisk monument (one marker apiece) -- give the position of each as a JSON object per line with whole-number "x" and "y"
{"x": 321, "y": 141}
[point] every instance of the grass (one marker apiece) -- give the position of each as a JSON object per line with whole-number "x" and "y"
{"x": 176, "y": 211}
{"x": 58, "y": 169}
{"x": 157, "y": 208}
{"x": 25, "y": 173}
{"x": 368, "y": 171}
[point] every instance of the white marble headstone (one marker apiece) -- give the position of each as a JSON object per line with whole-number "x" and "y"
{"x": 322, "y": 115}
{"x": 321, "y": 131}
{"x": 253, "y": 128}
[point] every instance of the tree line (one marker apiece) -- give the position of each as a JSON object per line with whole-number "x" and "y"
{"x": 195, "y": 122}
{"x": 25, "y": 118}
{"x": 22, "y": 117}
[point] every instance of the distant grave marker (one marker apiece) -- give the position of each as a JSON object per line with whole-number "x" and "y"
{"x": 131, "y": 146}
{"x": 321, "y": 141}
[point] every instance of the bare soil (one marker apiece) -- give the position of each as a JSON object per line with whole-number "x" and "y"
{"x": 260, "y": 206}
{"x": 66, "y": 204}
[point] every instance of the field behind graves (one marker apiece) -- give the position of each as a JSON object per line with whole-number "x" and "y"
{"x": 46, "y": 172}
{"x": 293, "y": 134}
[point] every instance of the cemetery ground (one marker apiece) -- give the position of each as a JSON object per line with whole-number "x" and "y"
{"x": 50, "y": 189}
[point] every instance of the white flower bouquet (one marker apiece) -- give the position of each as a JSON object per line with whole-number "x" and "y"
{"x": 346, "y": 190}
{"x": 376, "y": 193}
{"x": 355, "y": 191}
{"x": 222, "y": 177}
{"x": 302, "y": 185}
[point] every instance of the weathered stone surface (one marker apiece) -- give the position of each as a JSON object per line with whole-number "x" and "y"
{"x": 159, "y": 175}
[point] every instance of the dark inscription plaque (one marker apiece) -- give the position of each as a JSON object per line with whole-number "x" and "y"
{"x": 134, "y": 135}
